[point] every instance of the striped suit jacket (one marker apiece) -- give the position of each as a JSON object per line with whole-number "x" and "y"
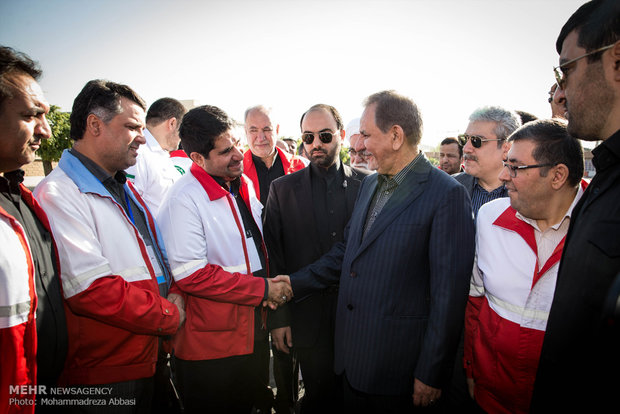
{"x": 403, "y": 287}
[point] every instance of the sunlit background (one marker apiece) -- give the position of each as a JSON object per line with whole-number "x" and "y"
{"x": 449, "y": 56}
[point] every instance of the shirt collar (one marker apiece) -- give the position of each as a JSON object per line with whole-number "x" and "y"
{"x": 152, "y": 142}
{"x": 498, "y": 190}
{"x": 10, "y": 181}
{"x": 607, "y": 153}
{"x": 330, "y": 172}
{"x": 234, "y": 185}
{"x": 96, "y": 170}
{"x": 259, "y": 161}
{"x": 399, "y": 177}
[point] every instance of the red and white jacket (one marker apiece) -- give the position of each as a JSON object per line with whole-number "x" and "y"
{"x": 212, "y": 261}
{"x": 18, "y": 304}
{"x": 112, "y": 304}
{"x": 291, "y": 163}
{"x": 509, "y": 301}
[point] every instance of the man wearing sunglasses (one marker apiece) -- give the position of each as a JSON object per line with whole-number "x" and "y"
{"x": 307, "y": 212}
{"x": 484, "y": 148}
{"x": 580, "y": 350}
{"x": 519, "y": 243}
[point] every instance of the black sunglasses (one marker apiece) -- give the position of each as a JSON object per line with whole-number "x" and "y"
{"x": 476, "y": 141}
{"x": 325, "y": 137}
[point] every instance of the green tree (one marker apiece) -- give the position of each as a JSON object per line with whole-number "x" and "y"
{"x": 344, "y": 155}
{"x": 51, "y": 149}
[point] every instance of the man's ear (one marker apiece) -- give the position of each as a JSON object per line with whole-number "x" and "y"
{"x": 615, "y": 56}
{"x": 397, "y": 137}
{"x": 342, "y": 135}
{"x": 94, "y": 125}
{"x": 560, "y": 175}
{"x": 505, "y": 148}
{"x": 198, "y": 159}
{"x": 277, "y": 130}
{"x": 172, "y": 124}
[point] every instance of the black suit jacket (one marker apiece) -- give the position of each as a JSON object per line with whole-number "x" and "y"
{"x": 468, "y": 181}
{"x": 581, "y": 349}
{"x": 292, "y": 239}
{"x": 403, "y": 287}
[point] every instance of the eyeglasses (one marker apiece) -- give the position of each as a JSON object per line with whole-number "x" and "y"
{"x": 325, "y": 137}
{"x": 560, "y": 76}
{"x": 476, "y": 140}
{"x": 354, "y": 153}
{"x": 551, "y": 95}
{"x": 512, "y": 169}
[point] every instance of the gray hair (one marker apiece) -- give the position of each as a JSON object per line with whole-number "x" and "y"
{"x": 106, "y": 114}
{"x": 506, "y": 121}
{"x": 260, "y": 108}
{"x": 392, "y": 109}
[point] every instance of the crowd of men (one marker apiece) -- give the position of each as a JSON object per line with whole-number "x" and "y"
{"x": 158, "y": 265}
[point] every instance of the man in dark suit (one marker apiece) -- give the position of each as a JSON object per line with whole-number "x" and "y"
{"x": 403, "y": 268}
{"x": 581, "y": 348}
{"x": 306, "y": 214}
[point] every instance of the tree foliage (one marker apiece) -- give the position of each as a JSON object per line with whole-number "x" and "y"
{"x": 51, "y": 149}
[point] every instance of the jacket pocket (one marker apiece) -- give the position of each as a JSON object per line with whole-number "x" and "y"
{"x": 204, "y": 315}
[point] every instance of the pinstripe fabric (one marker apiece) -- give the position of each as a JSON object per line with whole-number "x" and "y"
{"x": 385, "y": 188}
{"x": 403, "y": 288}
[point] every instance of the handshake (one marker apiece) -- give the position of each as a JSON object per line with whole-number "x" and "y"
{"x": 279, "y": 292}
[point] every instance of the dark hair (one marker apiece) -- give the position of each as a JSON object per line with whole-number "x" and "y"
{"x": 554, "y": 146}
{"x": 452, "y": 140}
{"x": 102, "y": 98}
{"x": 526, "y": 116}
{"x": 328, "y": 108}
{"x": 13, "y": 63}
{"x": 200, "y": 128}
{"x": 598, "y": 25}
{"x": 392, "y": 109}
{"x": 163, "y": 109}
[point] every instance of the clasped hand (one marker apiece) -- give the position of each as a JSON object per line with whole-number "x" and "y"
{"x": 279, "y": 291}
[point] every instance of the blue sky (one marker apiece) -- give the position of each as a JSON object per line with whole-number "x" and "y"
{"x": 449, "y": 56}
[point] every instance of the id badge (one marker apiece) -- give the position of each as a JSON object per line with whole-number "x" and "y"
{"x": 155, "y": 264}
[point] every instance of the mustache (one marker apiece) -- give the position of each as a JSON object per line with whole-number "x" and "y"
{"x": 317, "y": 150}
{"x": 36, "y": 139}
{"x": 470, "y": 157}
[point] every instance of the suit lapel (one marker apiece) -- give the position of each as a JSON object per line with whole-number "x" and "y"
{"x": 356, "y": 224}
{"x": 352, "y": 186}
{"x": 406, "y": 193}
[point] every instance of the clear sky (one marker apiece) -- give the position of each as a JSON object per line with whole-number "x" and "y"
{"x": 450, "y": 56}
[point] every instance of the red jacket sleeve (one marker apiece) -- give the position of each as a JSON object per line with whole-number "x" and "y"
{"x": 114, "y": 301}
{"x": 213, "y": 282}
{"x": 471, "y": 328}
